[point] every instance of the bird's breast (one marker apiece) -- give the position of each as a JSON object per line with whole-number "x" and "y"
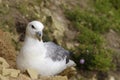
{"x": 33, "y": 51}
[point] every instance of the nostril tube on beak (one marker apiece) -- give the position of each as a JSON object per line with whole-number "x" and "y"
{"x": 39, "y": 35}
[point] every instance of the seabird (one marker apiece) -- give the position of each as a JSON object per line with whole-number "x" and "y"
{"x": 46, "y": 57}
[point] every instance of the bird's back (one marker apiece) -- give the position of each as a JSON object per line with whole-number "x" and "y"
{"x": 57, "y": 53}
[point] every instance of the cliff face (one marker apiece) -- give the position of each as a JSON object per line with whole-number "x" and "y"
{"x": 15, "y": 15}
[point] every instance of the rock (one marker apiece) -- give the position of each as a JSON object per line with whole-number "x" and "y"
{"x": 14, "y": 72}
{"x": 59, "y": 30}
{"x": 10, "y": 72}
{"x": 3, "y": 63}
{"x": 0, "y": 1}
{"x": 46, "y": 11}
{"x": 1, "y": 68}
{"x": 111, "y": 78}
{"x": 45, "y": 78}
{"x": 3, "y": 77}
{"x": 59, "y": 78}
{"x": 5, "y": 72}
{"x": 55, "y": 23}
{"x": 11, "y": 78}
{"x": 69, "y": 45}
{"x": 69, "y": 72}
{"x": 32, "y": 73}
{"x": 23, "y": 77}
{"x": 53, "y": 78}
{"x": 7, "y": 50}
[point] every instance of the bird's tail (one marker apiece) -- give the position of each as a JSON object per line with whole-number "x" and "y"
{"x": 71, "y": 63}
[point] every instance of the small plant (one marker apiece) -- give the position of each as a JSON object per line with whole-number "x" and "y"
{"x": 91, "y": 51}
{"x": 94, "y": 22}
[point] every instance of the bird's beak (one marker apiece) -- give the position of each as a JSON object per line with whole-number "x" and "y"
{"x": 39, "y": 35}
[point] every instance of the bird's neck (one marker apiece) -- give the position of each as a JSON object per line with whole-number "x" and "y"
{"x": 32, "y": 40}
{"x": 32, "y": 47}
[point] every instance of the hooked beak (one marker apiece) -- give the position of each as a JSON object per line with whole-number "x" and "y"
{"x": 39, "y": 35}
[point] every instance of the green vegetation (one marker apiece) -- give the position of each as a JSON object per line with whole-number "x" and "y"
{"x": 110, "y": 11}
{"x": 14, "y": 11}
{"x": 91, "y": 25}
{"x": 104, "y": 15}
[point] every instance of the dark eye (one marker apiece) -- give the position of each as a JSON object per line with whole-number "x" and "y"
{"x": 32, "y": 26}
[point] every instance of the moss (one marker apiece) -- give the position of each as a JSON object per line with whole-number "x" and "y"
{"x": 90, "y": 27}
{"x": 102, "y": 60}
{"x": 87, "y": 36}
{"x": 4, "y": 9}
{"x": 102, "y": 6}
{"x": 94, "y": 22}
{"x": 28, "y": 9}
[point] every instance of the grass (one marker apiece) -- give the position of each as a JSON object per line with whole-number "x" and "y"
{"x": 94, "y": 22}
{"x": 91, "y": 25}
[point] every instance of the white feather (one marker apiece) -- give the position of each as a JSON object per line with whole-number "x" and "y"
{"x": 33, "y": 54}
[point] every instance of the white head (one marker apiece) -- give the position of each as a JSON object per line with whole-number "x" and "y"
{"x": 34, "y": 30}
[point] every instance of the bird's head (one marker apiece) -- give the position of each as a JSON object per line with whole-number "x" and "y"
{"x": 34, "y": 29}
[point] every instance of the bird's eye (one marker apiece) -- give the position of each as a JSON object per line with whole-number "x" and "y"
{"x": 32, "y": 26}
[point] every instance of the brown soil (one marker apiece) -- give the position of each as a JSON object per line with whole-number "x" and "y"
{"x": 7, "y": 49}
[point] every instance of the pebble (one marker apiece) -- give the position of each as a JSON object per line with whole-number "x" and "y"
{"x": 14, "y": 72}
{"x": 32, "y": 73}
{"x": 10, "y": 72}
{"x": 7, "y": 73}
{"x": 23, "y": 77}
{"x": 3, "y": 77}
{"x": 4, "y": 63}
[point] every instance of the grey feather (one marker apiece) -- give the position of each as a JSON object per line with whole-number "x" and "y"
{"x": 56, "y": 53}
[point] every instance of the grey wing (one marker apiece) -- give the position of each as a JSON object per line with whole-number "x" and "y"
{"x": 56, "y": 53}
